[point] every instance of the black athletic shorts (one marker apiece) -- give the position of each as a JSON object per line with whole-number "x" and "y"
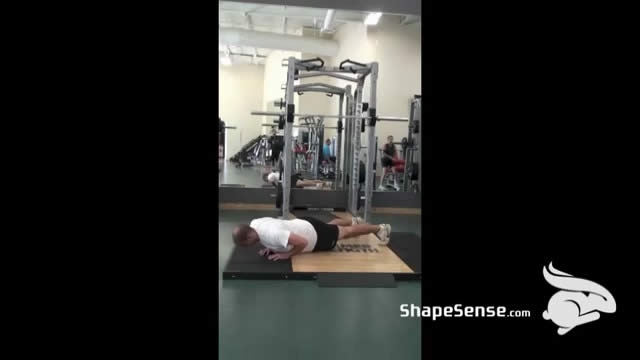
{"x": 327, "y": 234}
{"x": 386, "y": 162}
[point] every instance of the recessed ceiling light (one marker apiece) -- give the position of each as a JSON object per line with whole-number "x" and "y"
{"x": 372, "y": 19}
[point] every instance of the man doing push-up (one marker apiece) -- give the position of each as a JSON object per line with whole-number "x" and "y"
{"x": 283, "y": 239}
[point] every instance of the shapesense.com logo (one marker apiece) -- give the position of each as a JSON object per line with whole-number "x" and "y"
{"x": 458, "y": 311}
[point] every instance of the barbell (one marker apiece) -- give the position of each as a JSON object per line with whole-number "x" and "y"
{"x": 303, "y": 126}
{"x": 379, "y": 118}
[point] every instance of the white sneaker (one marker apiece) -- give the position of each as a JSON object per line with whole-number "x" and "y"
{"x": 357, "y": 220}
{"x": 381, "y": 188}
{"x": 395, "y": 186}
{"x": 384, "y": 234}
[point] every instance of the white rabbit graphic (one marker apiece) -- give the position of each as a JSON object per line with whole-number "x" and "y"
{"x": 578, "y": 301}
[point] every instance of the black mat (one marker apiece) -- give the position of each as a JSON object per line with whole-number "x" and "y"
{"x": 408, "y": 247}
{"x": 245, "y": 263}
{"x": 357, "y": 280}
{"x": 247, "y": 260}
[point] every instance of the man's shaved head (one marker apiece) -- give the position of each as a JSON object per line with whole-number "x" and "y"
{"x": 244, "y": 235}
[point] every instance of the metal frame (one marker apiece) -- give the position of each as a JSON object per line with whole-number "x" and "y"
{"x": 354, "y": 111}
{"x": 333, "y": 90}
{"x": 371, "y": 140}
{"x": 347, "y": 136}
{"x": 378, "y": 118}
{"x": 299, "y": 126}
{"x": 414, "y": 118}
{"x": 288, "y": 161}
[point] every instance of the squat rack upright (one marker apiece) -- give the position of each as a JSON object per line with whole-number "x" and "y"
{"x": 315, "y": 67}
{"x": 329, "y": 90}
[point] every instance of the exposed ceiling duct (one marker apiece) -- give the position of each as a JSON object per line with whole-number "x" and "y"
{"x": 328, "y": 21}
{"x": 258, "y": 39}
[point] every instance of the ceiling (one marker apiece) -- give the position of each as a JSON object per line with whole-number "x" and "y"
{"x": 271, "y": 18}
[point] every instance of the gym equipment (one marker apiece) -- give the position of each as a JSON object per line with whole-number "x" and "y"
{"x": 381, "y": 118}
{"x": 310, "y": 164}
{"x": 253, "y": 153}
{"x": 412, "y": 154}
{"x": 299, "y": 69}
{"x": 329, "y": 90}
{"x": 222, "y": 134}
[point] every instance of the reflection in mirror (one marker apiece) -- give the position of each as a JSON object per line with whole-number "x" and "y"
{"x": 252, "y": 78}
{"x": 256, "y": 156}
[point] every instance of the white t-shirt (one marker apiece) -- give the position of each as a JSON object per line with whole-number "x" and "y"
{"x": 273, "y": 177}
{"x": 274, "y": 233}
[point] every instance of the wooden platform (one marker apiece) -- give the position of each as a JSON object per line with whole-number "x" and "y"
{"x": 366, "y": 256}
{"x": 381, "y": 260}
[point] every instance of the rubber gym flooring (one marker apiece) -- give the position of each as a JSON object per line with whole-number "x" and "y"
{"x": 281, "y": 319}
{"x": 249, "y": 176}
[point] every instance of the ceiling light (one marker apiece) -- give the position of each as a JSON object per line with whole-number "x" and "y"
{"x": 226, "y": 61}
{"x": 372, "y": 19}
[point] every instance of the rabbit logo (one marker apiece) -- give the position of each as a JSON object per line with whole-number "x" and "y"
{"x": 578, "y": 302}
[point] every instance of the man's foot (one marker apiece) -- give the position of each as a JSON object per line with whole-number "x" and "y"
{"x": 384, "y": 234}
{"x": 395, "y": 186}
{"x": 381, "y": 188}
{"x": 357, "y": 220}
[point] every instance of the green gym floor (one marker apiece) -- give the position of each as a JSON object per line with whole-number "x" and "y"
{"x": 280, "y": 319}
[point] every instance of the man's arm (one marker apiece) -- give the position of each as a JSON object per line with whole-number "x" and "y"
{"x": 298, "y": 242}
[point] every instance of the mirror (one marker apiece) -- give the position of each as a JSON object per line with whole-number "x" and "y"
{"x": 252, "y": 79}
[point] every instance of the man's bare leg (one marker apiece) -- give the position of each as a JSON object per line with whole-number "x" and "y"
{"x": 345, "y": 232}
{"x": 340, "y": 222}
{"x": 309, "y": 183}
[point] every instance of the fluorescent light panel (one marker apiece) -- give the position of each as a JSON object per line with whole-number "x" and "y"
{"x": 372, "y": 19}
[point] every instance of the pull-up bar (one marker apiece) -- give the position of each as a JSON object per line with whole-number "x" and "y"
{"x": 319, "y": 73}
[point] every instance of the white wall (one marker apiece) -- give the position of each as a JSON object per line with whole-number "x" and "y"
{"x": 397, "y": 49}
{"x": 275, "y": 75}
{"x": 240, "y": 90}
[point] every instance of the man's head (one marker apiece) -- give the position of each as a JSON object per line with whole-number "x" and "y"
{"x": 390, "y": 139}
{"x": 244, "y": 235}
{"x": 328, "y": 142}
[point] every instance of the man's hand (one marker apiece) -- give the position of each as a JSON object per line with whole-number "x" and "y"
{"x": 279, "y": 256}
{"x": 265, "y": 251}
